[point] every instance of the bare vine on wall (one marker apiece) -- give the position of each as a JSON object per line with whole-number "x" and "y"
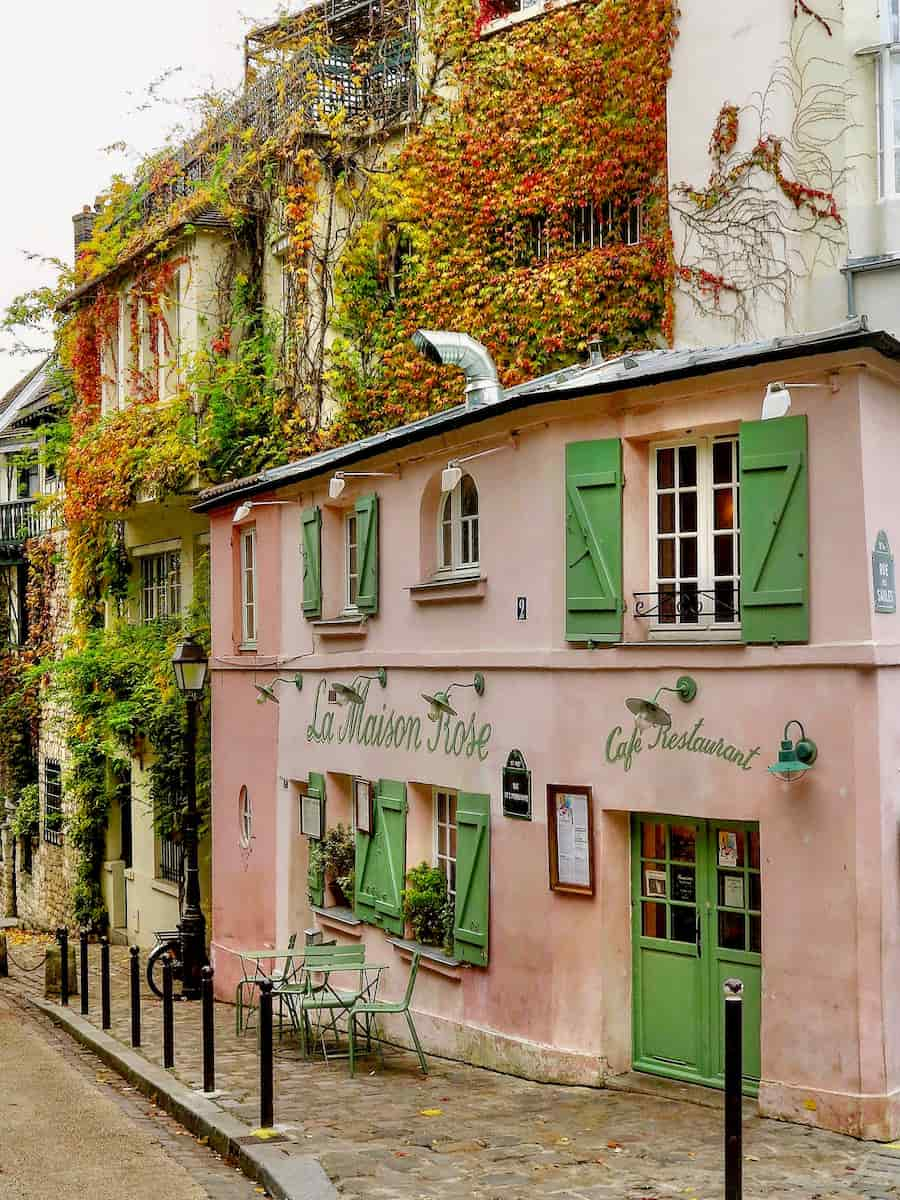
{"x": 768, "y": 214}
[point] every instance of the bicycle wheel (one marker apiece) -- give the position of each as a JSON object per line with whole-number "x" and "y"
{"x": 155, "y": 965}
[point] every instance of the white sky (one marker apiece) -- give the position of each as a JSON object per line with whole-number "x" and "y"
{"x": 73, "y": 78}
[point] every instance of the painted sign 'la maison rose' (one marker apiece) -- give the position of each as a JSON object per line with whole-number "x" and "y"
{"x": 390, "y": 729}
{"x": 622, "y": 749}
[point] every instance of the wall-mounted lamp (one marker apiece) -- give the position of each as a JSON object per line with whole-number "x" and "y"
{"x": 267, "y": 690}
{"x": 648, "y": 712}
{"x": 343, "y": 694}
{"x": 777, "y": 400}
{"x": 242, "y": 512}
{"x": 452, "y": 473}
{"x": 794, "y": 760}
{"x": 337, "y": 482}
{"x": 439, "y": 704}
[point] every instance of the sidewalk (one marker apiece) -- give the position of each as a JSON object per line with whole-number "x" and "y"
{"x": 391, "y": 1134}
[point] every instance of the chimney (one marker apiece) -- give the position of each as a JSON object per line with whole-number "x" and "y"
{"x": 84, "y": 226}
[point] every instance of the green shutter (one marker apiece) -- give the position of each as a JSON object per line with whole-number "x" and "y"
{"x": 311, "y": 519}
{"x": 381, "y": 860}
{"x": 367, "y": 551}
{"x": 315, "y": 877}
{"x": 594, "y": 541}
{"x": 473, "y": 878}
{"x": 774, "y": 531}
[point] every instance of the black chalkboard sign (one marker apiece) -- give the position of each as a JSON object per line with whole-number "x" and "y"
{"x": 683, "y": 884}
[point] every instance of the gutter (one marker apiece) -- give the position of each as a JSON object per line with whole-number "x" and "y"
{"x": 514, "y": 400}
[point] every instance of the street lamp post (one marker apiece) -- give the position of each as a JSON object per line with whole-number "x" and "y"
{"x": 190, "y": 665}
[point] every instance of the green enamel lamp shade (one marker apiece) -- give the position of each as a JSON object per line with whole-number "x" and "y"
{"x": 344, "y": 693}
{"x": 648, "y": 712}
{"x": 266, "y": 692}
{"x": 794, "y": 760}
{"x": 438, "y": 705}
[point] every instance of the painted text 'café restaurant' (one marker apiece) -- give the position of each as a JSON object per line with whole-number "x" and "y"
{"x": 615, "y": 653}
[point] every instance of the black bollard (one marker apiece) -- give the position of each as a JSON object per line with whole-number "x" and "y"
{"x": 62, "y": 936}
{"x": 266, "y": 1066}
{"x": 734, "y": 1154}
{"x": 105, "y": 1019}
{"x": 135, "y": 997}
{"x": 209, "y": 1042}
{"x": 83, "y": 970}
{"x": 168, "y": 1015}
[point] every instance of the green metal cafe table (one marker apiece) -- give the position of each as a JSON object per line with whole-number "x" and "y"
{"x": 253, "y": 972}
{"x": 316, "y": 1006}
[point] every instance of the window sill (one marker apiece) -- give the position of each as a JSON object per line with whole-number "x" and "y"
{"x": 342, "y": 627}
{"x": 166, "y": 887}
{"x": 432, "y": 959}
{"x": 247, "y": 648}
{"x": 459, "y": 587}
{"x": 342, "y": 919}
{"x": 516, "y": 18}
{"x": 697, "y": 636}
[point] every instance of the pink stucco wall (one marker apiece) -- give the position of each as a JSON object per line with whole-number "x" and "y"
{"x": 555, "y": 1000}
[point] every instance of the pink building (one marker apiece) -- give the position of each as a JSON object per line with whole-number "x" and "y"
{"x": 639, "y": 528}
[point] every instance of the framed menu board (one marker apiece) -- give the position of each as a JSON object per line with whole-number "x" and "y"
{"x": 570, "y": 839}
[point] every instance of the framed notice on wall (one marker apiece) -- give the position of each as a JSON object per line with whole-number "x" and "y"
{"x": 362, "y": 805}
{"x": 570, "y": 839}
{"x": 311, "y": 815}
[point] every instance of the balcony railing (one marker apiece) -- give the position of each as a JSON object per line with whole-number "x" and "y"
{"x": 690, "y": 605}
{"x": 21, "y": 520}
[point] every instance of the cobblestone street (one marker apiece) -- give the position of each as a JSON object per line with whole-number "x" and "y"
{"x": 392, "y": 1134}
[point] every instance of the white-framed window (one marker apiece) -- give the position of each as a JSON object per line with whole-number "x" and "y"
{"x": 168, "y": 339}
{"x": 160, "y": 586}
{"x": 248, "y": 586}
{"x": 351, "y": 561}
{"x": 695, "y": 536}
{"x": 458, "y": 531}
{"x": 445, "y": 837}
{"x": 245, "y": 817}
{"x": 887, "y": 121}
{"x": 124, "y": 352}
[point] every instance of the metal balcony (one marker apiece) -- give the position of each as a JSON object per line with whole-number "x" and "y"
{"x": 19, "y": 521}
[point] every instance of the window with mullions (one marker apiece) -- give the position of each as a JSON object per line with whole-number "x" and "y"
{"x": 458, "y": 536}
{"x": 445, "y": 837}
{"x": 160, "y": 586}
{"x": 695, "y": 535}
{"x": 53, "y": 815}
{"x": 351, "y": 564}
{"x": 888, "y": 118}
{"x": 248, "y": 586}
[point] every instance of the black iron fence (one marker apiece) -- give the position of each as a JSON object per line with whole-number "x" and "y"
{"x": 170, "y": 859}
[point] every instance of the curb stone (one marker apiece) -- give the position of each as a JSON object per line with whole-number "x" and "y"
{"x": 285, "y": 1176}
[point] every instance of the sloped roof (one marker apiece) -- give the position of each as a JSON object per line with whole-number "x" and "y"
{"x": 26, "y": 392}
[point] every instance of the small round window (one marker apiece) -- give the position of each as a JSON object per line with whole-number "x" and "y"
{"x": 245, "y": 817}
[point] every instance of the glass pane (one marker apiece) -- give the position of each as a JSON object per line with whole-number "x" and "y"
{"x": 684, "y": 924}
{"x": 730, "y": 843}
{"x": 469, "y": 496}
{"x": 683, "y": 844}
{"x": 722, "y": 457}
{"x": 666, "y": 514}
{"x": 687, "y": 466}
{"x": 724, "y": 554}
{"x": 731, "y": 930}
{"x": 756, "y": 935}
{"x": 753, "y": 839}
{"x": 466, "y": 548}
{"x": 755, "y": 892}
{"x": 653, "y": 919}
{"x": 453, "y": 841}
{"x": 688, "y": 552}
{"x": 666, "y": 558}
{"x": 724, "y": 509}
{"x": 653, "y": 840}
{"x": 665, "y": 468}
{"x": 689, "y": 604}
{"x": 667, "y": 603}
{"x": 687, "y": 512}
{"x": 447, "y": 551}
{"x": 655, "y": 880}
{"x": 441, "y": 808}
{"x": 726, "y": 601}
{"x": 732, "y": 890}
{"x": 474, "y": 528}
{"x": 684, "y": 884}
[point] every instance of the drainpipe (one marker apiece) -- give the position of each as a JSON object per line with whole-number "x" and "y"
{"x": 460, "y": 350}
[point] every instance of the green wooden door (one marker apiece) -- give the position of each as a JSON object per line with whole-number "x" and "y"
{"x": 696, "y": 911}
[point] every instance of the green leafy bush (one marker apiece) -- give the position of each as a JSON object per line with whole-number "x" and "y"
{"x": 428, "y": 907}
{"x": 335, "y": 856}
{"x": 27, "y": 815}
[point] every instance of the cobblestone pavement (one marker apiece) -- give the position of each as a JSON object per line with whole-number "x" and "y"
{"x": 391, "y": 1134}
{"x": 52, "y": 1087}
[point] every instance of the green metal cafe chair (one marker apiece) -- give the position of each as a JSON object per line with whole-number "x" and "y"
{"x": 318, "y": 998}
{"x": 367, "y": 1009}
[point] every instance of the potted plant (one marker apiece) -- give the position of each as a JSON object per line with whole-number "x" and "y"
{"x": 335, "y": 857}
{"x": 428, "y": 907}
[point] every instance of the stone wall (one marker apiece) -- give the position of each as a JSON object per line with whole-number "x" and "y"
{"x": 7, "y": 859}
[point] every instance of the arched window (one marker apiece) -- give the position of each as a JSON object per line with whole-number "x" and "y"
{"x": 458, "y": 547}
{"x": 245, "y": 817}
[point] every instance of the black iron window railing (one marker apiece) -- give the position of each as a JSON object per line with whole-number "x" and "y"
{"x": 170, "y": 856}
{"x": 53, "y": 815}
{"x": 20, "y": 520}
{"x": 689, "y": 605}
